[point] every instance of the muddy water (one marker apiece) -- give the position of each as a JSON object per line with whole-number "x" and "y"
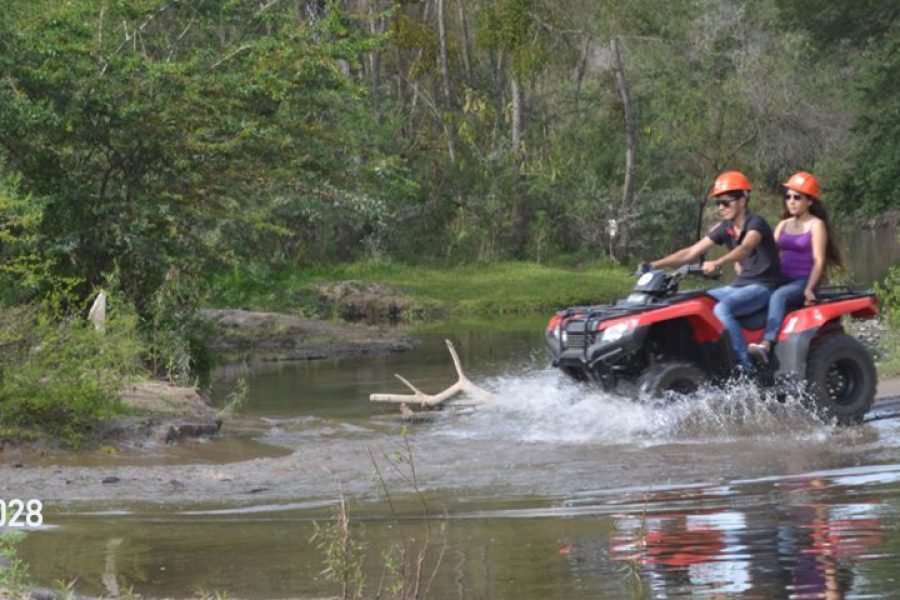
{"x": 553, "y": 491}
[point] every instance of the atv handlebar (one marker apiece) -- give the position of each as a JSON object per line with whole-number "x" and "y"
{"x": 659, "y": 282}
{"x": 695, "y": 269}
{"x": 681, "y": 272}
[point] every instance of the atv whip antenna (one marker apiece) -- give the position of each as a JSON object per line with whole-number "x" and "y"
{"x": 700, "y": 206}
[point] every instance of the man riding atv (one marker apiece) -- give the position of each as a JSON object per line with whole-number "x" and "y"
{"x": 659, "y": 340}
{"x": 751, "y": 244}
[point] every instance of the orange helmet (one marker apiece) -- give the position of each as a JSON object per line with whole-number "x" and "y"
{"x": 803, "y": 182}
{"x": 730, "y": 181}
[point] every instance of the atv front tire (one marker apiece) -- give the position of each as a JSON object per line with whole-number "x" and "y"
{"x": 665, "y": 379}
{"x": 842, "y": 378}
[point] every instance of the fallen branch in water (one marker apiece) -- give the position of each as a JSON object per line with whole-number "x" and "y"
{"x": 435, "y": 401}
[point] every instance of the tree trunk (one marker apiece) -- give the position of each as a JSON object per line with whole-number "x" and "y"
{"x": 516, "y": 116}
{"x": 464, "y": 25}
{"x": 445, "y": 79}
{"x": 582, "y": 67}
{"x": 376, "y": 27}
{"x": 522, "y": 215}
{"x": 630, "y": 131}
{"x": 445, "y": 63}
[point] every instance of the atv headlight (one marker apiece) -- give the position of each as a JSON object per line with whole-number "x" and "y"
{"x": 615, "y": 332}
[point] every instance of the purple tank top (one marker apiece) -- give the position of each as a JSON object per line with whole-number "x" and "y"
{"x": 796, "y": 254}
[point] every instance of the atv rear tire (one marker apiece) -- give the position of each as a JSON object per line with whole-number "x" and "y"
{"x": 842, "y": 378}
{"x": 669, "y": 378}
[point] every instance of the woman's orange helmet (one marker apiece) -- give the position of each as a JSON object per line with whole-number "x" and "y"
{"x": 730, "y": 181}
{"x": 805, "y": 183}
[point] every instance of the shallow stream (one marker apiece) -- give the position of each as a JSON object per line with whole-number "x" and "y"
{"x": 554, "y": 490}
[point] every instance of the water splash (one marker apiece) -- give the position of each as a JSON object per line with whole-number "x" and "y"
{"x": 547, "y": 406}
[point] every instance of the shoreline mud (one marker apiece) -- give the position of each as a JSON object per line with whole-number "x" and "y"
{"x": 163, "y": 453}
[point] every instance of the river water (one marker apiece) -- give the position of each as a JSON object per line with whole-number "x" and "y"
{"x": 553, "y": 490}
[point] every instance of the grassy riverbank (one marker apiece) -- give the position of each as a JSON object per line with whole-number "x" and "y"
{"x": 441, "y": 298}
{"x": 59, "y": 376}
{"x": 456, "y": 293}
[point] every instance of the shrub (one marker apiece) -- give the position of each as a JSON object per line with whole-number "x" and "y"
{"x": 889, "y": 296}
{"x": 59, "y": 375}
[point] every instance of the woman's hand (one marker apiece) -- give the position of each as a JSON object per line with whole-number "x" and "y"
{"x": 809, "y": 297}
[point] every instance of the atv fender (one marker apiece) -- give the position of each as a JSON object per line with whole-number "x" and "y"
{"x": 792, "y": 350}
{"x": 791, "y": 354}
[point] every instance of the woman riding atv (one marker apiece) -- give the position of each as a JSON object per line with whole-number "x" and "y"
{"x": 751, "y": 244}
{"x": 806, "y": 251}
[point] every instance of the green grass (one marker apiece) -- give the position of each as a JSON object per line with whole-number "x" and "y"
{"x": 465, "y": 292}
{"x": 889, "y": 365}
{"x": 14, "y": 578}
{"x": 465, "y": 297}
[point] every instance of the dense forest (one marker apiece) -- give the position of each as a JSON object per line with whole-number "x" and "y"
{"x": 146, "y": 145}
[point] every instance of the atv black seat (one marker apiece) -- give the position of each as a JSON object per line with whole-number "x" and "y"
{"x": 755, "y": 320}
{"x": 835, "y": 293}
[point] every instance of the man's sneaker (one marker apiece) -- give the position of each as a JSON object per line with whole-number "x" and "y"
{"x": 759, "y": 352}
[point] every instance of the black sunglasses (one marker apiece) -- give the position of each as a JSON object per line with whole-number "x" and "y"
{"x": 726, "y": 202}
{"x": 793, "y": 196}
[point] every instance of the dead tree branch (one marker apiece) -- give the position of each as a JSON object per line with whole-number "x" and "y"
{"x": 429, "y": 401}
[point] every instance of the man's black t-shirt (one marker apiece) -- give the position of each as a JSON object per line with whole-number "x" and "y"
{"x": 762, "y": 265}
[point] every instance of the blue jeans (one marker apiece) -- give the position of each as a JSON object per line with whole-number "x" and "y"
{"x": 789, "y": 294}
{"x": 734, "y": 302}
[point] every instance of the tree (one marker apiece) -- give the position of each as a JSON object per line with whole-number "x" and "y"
{"x": 860, "y": 37}
{"x": 170, "y": 134}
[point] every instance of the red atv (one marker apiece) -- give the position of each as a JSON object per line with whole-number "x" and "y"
{"x": 658, "y": 341}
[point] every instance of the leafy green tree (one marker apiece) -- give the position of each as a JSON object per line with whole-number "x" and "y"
{"x": 862, "y": 39}
{"x": 871, "y": 183}
{"x": 158, "y": 137}
{"x": 25, "y": 273}
{"x": 187, "y": 134}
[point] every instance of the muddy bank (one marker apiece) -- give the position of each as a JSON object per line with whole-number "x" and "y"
{"x": 246, "y": 337}
{"x": 246, "y": 463}
{"x": 242, "y": 341}
{"x": 174, "y": 424}
{"x": 162, "y": 414}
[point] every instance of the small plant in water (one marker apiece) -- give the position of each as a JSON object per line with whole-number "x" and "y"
{"x": 631, "y": 567}
{"x": 236, "y": 398}
{"x": 405, "y": 563}
{"x": 65, "y": 589}
{"x": 212, "y": 595}
{"x": 408, "y": 565}
{"x": 343, "y": 551}
{"x": 14, "y": 578}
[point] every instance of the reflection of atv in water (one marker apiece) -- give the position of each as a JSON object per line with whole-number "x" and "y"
{"x": 660, "y": 340}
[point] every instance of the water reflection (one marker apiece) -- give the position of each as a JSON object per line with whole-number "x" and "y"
{"x": 824, "y": 535}
{"x": 556, "y": 492}
{"x": 808, "y": 547}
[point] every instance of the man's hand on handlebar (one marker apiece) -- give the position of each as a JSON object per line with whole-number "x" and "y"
{"x": 710, "y": 268}
{"x": 642, "y": 268}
